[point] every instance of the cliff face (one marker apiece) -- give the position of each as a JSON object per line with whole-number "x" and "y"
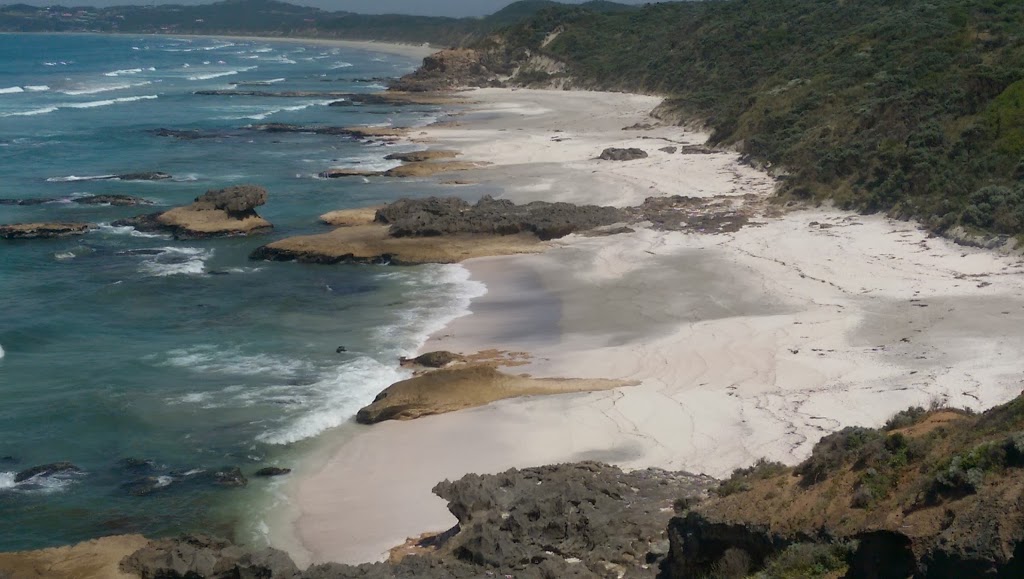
{"x": 934, "y": 494}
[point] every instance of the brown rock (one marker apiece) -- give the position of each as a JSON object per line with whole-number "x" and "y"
{"x": 42, "y": 230}
{"x": 452, "y": 389}
{"x": 421, "y": 156}
{"x": 96, "y": 559}
{"x": 350, "y": 217}
{"x": 220, "y": 213}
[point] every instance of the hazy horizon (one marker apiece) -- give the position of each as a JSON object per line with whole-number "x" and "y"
{"x": 415, "y": 7}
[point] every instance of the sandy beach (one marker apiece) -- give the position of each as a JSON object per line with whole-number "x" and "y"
{"x": 745, "y": 345}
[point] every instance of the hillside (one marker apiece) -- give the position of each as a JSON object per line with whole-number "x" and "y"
{"x": 911, "y": 107}
{"x": 932, "y": 494}
{"x": 274, "y": 18}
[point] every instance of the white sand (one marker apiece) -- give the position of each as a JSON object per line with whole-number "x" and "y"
{"x": 749, "y": 344}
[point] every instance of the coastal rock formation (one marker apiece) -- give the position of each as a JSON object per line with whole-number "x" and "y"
{"x": 451, "y": 389}
{"x": 613, "y": 154}
{"x": 95, "y": 559}
{"x": 270, "y": 471}
{"x": 342, "y": 173}
{"x": 449, "y": 69}
{"x": 206, "y": 557}
{"x": 220, "y": 213}
{"x": 42, "y": 230}
{"x": 421, "y": 156}
{"x": 410, "y": 169}
{"x": 145, "y": 176}
{"x": 442, "y": 230}
{"x": 932, "y": 494}
{"x": 435, "y": 216}
{"x": 585, "y": 520}
{"x": 46, "y": 470}
{"x": 116, "y": 200}
{"x": 438, "y": 359}
{"x": 350, "y": 217}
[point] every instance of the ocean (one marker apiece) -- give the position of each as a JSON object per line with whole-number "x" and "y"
{"x": 151, "y": 363}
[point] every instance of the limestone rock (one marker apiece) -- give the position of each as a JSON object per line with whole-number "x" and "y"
{"x": 220, "y": 213}
{"x": 42, "y": 230}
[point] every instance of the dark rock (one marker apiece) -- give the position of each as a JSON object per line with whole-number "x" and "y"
{"x": 202, "y": 557}
{"x": 436, "y": 359}
{"x": 341, "y": 350}
{"x": 435, "y": 216}
{"x": 613, "y": 154}
{"x": 230, "y": 477}
{"x": 272, "y": 471}
{"x": 115, "y": 200}
{"x": 8, "y": 460}
{"x": 450, "y": 69}
{"x": 26, "y": 202}
{"x": 135, "y": 464}
{"x": 145, "y": 485}
{"x": 46, "y": 470}
{"x": 185, "y": 134}
{"x": 237, "y": 199}
{"x": 42, "y": 230}
{"x": 145, "y": 176}
{"x": 669, "y": 150}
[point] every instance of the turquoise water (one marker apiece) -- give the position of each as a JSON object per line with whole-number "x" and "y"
{"x": 186, "y": 355}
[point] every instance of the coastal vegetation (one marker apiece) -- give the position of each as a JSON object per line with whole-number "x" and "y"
{"x": 914, "y": 108}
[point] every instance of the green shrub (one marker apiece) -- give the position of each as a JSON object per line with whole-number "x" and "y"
{"x": 739, "y": 480}
{"x": 808, "y": 560}
{"x": 905, "y": 418}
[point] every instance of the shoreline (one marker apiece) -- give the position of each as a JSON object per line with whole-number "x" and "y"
{"x": 395, "y": 48}
{"x": 748, "y": 344}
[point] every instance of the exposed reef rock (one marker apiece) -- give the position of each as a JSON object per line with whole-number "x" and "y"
{"x": 350, "y": 217}
{"x": 932, "y": 495}
{"x": 613, "y": 154}
{"x": 440, "y": 230}
{"x": 46, "y": 470}
{"x": 117, "y": 200}
{"x": 146, "y": 176}
{"x": 95, "y": 559}
{"x": 271, "y": 471}
{"x": 452, "y": 389}
{"x": 207, "y": 558}
{"x": 421, "y": 156}
{"x": 585, "y": 520}
{"x": 220, "y": 213}
{"x": 42, "y": 230}
{"x": 436, "y": 216}
{"x": 424, "y": 168}
{"x": 438, "y": 359}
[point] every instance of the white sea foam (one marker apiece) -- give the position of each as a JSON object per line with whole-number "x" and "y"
{"x": 71, "y": 178}
{"x": 62, "y": 256}
{"x": 338, "y": 65}
{"x": 109, "y": 229}
{"x": 336, "y": 397}
{"x": 231, "y": 361}
{"x": 31, "y": 113}
{"x": 11, "y": 90}
{"x": 108, "y": 102}
{"x": 36, "y": 87}
{"x": 87, "y": 90}
{"x": 7, "y": 480}
{"x": 263, "y": 115}
{"x": 177, "y": 261}
{"x": 125, "y": 72}
{"x": 2, "y": 353}
{"x": 163, "y": 481}
{"x": 210, "y": 75}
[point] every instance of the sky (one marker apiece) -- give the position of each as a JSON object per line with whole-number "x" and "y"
{"x": 427, "y": 7}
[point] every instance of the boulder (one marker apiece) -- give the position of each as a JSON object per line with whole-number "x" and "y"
{"x": 230, "y": 477}
{"x": 220, "y": 213}
{"x": 270, "y": 471}
{"x": 115, "y": 200}
{"x": 46, "y": 470}
{"x": 613, "y": 154}
{"x": 669, "y": 150}
{"x": 26, "y": 202}
{"x": 144, "y": 176}
{"x": 341, "y": 173}
{"x": 438, "y": 359}
{"x": 42, "y": 230}
{"x": 200, "y": 556}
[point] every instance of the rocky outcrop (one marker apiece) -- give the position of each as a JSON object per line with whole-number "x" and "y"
{"x": 631, "y": 154}
{"x": 208, "y": 558}
{"x": 42, "y": 230}
{"x": 449, "y": 69}
{"x": 116, "y": 200}
{"x": 421, "y": 156}
{"x": 95, "y": 559}
{"x": 584, "y": 520}
{"x": 220, "y": 213}
{"x": 46, "y": 470}
{"x": 452, "y": 389}
{"x": 436, "y": 216}
{"x": 145, "y": 176}
{"x": 271, "y": 471}
{"x": 442, "y": 230}
{"x": 424, "y": 168}
{"x": 438, "y": 359}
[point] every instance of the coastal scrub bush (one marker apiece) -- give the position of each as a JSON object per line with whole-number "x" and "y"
{"x": 739, "y": 480}
{"x": 833, "y": 451}
{"x": 905, "y": 418}
{"x": 807, "y": 560}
